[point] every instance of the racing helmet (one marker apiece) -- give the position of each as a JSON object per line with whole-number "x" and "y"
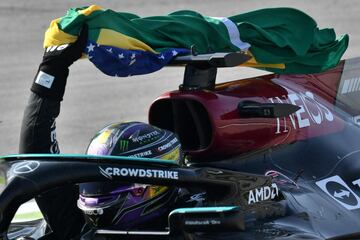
{"x": 122, "y": 206}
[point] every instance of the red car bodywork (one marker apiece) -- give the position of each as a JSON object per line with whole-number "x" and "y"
{"x": 226, "y": 133}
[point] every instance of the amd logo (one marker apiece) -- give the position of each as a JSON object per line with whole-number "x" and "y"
{"x": 263, "y": 194}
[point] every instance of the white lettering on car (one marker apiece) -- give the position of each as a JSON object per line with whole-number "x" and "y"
{"x": 109, "y": 172}
{"x": 263, "y": 194}
{"x": 356, "y": 182}
{"x": 310, "y": 112}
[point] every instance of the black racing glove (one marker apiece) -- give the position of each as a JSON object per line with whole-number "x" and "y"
{"x": 50, "y": 80}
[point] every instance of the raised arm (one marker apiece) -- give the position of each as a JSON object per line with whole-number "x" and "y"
{"x": 38, "y": 134}
{"x": 38, "y": 126}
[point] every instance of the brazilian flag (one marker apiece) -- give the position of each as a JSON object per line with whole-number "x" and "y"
{"x": 281, "y": 40}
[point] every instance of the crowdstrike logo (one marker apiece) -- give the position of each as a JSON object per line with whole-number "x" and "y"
{"x": 109, "y": 172}
{"x": 142, "y": 154}
{"x": 167, "y": 145}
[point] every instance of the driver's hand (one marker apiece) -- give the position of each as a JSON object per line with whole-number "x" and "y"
{"x": 50, "y": 80}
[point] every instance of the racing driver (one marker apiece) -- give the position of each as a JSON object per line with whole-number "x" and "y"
{"x": 59, "y": 206}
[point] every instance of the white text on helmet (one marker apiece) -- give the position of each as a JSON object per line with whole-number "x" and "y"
{"x": 142, "y": 154}
{"x": 145, "y": 136}
{"x": 167, "y": 145}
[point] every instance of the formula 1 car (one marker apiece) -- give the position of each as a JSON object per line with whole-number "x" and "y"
{"x": 276, "y": 155}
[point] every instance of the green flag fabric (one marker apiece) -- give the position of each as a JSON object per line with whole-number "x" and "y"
{"x": 281, "y": 40}
{"x": 285, "y": 35}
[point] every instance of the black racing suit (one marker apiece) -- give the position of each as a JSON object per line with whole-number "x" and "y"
{"x": 38, "y": 136}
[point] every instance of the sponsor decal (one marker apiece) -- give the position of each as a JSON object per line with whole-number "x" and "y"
{"x": 336, "y": 188}
{"x": 123, "y": 145}
{"x": 142, "y": 154}
{"x": 263, "y": 194}
{"x": 56, "y": 48}
{"x": 145, "y": 136}
{"x": 198, "y": 198}
{"x": 109, "y": 172}
{"x": 54, "y": 147}
{"x": 280, "y": 178}
{"x": 311, "y": 112}
{"x": 44, "y": 79}
{"x": 351, "y": 85}
{"x": 167, "y": 145}
{"x": 25, "y": 167}
{"x": 202, "y": 222}
{"x": 93, "y": 212}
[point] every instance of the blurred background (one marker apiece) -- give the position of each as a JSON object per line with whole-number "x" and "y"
{"x": 92, "y": 99}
